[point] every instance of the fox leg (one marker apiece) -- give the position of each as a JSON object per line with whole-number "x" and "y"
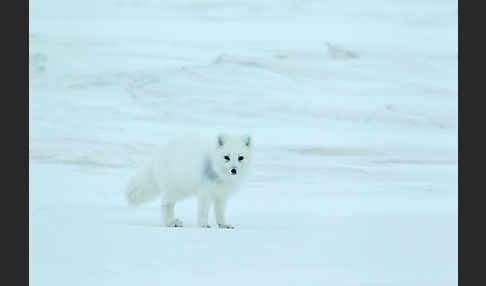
{"x": 203, "y": 205}
{"x": 219, "y": 212}
{"x": 167, "y": 214}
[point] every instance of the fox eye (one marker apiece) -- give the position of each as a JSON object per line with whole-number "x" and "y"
{"x": 241, "y": 158}
{"x": 227, "y": 158}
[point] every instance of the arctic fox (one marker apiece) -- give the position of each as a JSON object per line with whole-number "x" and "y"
{"x": 210, "y": 168}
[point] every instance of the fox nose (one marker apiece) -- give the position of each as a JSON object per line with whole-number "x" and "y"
{"x": 233, "y": 171}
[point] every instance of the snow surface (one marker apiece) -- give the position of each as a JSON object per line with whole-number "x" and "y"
{"x": 352, "y": 106}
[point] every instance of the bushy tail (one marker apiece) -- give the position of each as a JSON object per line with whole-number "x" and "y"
{"x": 142, "y": 187}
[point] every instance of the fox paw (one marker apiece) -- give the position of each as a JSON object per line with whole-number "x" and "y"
{"x": 175, "y": 223}
{"x": 204, "y": 226}
{"x": 224, "y": 225}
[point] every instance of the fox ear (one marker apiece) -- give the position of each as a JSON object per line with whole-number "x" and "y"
{"x": 247, "y": 140}
{"x": 221, "y": 140}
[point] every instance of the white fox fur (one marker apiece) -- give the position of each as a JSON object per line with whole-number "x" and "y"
{"x": 210, "y": 168}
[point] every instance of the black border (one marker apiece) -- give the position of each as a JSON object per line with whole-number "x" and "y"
{"x": 25, "y": 280}
{"x": 14, "y": 26}
{"x": 460, "y": 144}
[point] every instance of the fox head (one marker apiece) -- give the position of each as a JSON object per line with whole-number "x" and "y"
{"x": 232, "y": 156}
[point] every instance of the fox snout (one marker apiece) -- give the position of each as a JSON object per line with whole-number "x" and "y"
{"x": 233, "y": 171}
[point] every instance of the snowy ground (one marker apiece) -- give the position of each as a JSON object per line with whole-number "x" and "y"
{"x": 353, "y": 111}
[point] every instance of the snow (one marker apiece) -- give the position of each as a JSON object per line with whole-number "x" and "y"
{"x": 352, "y": 107}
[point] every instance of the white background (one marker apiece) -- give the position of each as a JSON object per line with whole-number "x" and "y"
{"x": 352, "y": 106}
